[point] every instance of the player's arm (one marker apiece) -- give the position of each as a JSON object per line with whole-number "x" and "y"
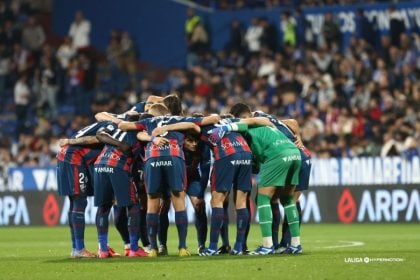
{"x": 158, "y": 141}
{"x": 257, "y": 121}
{"x": 105, "y": 116}
{"x": 293, "y": 125}
{"x": 209, "y": 120}
{"x": 181, "y": 126}
{"x": 82, "y": 141}
{"x": 106, "y": 138}
{"x": 125, "y": 126}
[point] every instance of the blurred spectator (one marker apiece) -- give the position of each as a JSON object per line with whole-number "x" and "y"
{"x": 48, "y": 88}
{"x": 396, "y": 26}
{"x": 22, "y": 96}
{"x": 236, "y": 37}
{"x": 269, "y": 36}
{"x": 288, "y": 28}
{"x": 33, "y": 37}
{"x": 253, "y": 37}
{"x": 80, "y": 32}
{"x": 64, "y": 54}
{"x": 331, "y": 32}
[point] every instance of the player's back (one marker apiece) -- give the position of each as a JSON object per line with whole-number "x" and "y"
{"x": 113, "y": 156}
{"x": 78, "y": 154}
{"x": 266, "y": 142}
{"x": 230, "y": 144}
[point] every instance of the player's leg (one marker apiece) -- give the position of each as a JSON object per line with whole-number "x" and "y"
{"x": 165, "y": 204}
{"x": 103, "y": 199}
{"x": 275, "y": 209}
{"x": 221, "y": 182}
{"x": 143, "y": 225}
{"x": 126, "y": 196}
{"x": 195, "y": 191}
{"x": 78, "y": 178}
{"x": 120, "y": 222}
{"x": 176, "y": 180}
{"x": 152, "y": 182}
{"x": 224, "y": 231}
{"x": 265, "y": 218}
{"x": 65, "y": 188}
{"x": 181, "y": 221}
{"x": 242, "y": 220}
{"x": 243, "y": 184}
{"x": 291, "y": 212}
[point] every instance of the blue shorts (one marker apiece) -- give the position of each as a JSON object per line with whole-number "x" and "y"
{"x": 195, "y": 188}
{"x": 73, "y": 180}
{"x": 304, "y": 173}
{"x": 165, "y": 174}
{"x": 113, "y": 184}
{"x": 232, "y": 171}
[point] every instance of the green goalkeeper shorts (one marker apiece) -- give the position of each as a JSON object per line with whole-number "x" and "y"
{"x": 281, "y": 170}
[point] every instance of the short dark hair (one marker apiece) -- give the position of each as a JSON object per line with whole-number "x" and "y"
{"x": 173, "y": 103}
{"x": 240, "y": 108}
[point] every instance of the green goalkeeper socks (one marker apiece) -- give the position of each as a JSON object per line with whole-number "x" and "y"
{"x": 291, "y": 214}
{"x": 265, "y": 215}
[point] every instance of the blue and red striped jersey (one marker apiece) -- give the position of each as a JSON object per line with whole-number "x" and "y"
{"x": 176, "y": 139}
{"x": 78, "y": 154}
{"x": 305, "y": 153}
{"x": 231, "y": 143}
{"x": 112, "y": 156}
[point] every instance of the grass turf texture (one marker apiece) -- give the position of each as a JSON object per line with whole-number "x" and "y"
{"x": 43, "y": 253}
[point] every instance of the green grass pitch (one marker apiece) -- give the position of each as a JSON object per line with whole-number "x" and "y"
{"x": 43, "y": 253}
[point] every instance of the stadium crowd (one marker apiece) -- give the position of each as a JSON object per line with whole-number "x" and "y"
{"x": 358, "y": 100}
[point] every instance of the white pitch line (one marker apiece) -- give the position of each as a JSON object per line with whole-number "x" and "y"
{"x": 347, "y": 244}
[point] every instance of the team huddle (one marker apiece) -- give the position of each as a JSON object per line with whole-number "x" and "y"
{"x": 138, "y": 163}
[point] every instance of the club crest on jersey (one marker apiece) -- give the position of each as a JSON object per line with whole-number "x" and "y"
{"x": 161, "y": 163}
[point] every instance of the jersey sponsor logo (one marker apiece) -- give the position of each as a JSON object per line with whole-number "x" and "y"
{"x": 111, "y": 156}
{"x": 229, "y": 145}
{"x": 240, "y": 162}
{"x": 161, "y": 163}
{"x": 170, "y": 146}
{"x": 291, "y": 158}
{"x": 281, "y": 142}
{"x": 104, "y": 169}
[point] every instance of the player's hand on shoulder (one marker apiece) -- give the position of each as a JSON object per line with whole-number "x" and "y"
{"x": 159, "y": 141}
{"x": 63, "y": 141}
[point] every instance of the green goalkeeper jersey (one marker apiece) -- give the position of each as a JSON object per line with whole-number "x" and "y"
{"x": 266, "y": 143}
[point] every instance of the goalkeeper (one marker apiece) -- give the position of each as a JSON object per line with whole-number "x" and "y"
{"x": 279, "y": 161}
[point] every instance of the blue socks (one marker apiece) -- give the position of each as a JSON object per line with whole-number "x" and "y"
{"x": 242, "y": 218}
{"x": 102, "y": 224}
{"x": 224, "y": 232}
{"x": 143, "y": 228}
{"x": 181, "y": 221}
{"x": 73, "y": 241}
{"x": 217, "y": 216}
{"x": 163, "y": 227}
{"x": 133, "y": 225}
{"x": 152, "y": 220}
{"x": 201, "y": 225}
{"x": 78, "y": 221}
{"x": 120, "y": 222}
